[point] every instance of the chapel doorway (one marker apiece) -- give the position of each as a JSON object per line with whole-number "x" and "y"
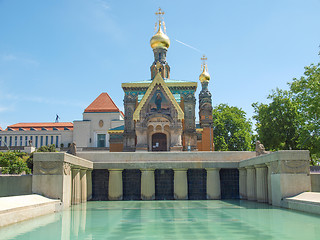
{"x": 159, "y": 142}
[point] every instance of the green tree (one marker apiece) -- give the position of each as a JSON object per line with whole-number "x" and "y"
{"x": 306, "y": 92}
{"x": 277, "y": 123}
{"x": 231, "y": 130}
{"x": 13, "y": 163}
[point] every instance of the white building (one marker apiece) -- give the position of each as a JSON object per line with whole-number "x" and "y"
{"x": 101, "y": 115}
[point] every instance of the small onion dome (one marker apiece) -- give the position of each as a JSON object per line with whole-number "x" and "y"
{"x": 204, "y": 76}
{"x": 160, "y": 40}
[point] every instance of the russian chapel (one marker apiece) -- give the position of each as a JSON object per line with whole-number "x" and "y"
{"x": 160, "y": 112}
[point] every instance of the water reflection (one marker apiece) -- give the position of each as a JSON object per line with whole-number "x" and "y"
{"x": 168, "y": 220}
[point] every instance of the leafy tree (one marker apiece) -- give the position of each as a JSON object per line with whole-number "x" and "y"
{"x": 231, "y": 130}
{"x": 277, "y": 123}
{"x": 13, "y": 163}
{"x": 306, "y": 92}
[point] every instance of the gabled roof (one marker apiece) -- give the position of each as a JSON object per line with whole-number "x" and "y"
{"x": 158, "y": 80}
{"x": 103, "y": 103}
{"x": 169, "y": 83}
{"x": 40, "y": 126}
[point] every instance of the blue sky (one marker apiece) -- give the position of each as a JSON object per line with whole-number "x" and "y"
{"x": 57, "y": 56}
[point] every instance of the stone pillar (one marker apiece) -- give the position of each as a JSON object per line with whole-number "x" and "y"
{"x": 180, "y": 184}
{"x": 269, "y": 184}
{"x": 89, "y": 184}
{"x": 251, "y": 183}
{"x": 83, "y": 180}
{"x": 147, "y": 184}
{"x": 76, "y": 186}
{"x": 262, "y": 182}
{"x": 115, "y": 184}
{"x": 213, "y": 183}
{"x": 243, "y": 183}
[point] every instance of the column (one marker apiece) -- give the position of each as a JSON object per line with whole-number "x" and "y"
{"x": 83, "y": 180}
{"x": 251, "y": 183}
{"x": 213, "y": 183}
{"x": 89, "y": 184}
{"x": 262, "y": 182}
{"x": 180, "y": 184}
{"x": 269, "y": 184}
{"x": 147, "y": 184}
{"x": 115, "y": 184}
{"x": 76, "y": 186}
{"x": 243, "y": 183}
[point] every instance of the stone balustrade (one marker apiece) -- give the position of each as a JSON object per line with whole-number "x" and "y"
{"x": 271, "y": 177}
{"x": 62, "y": 176}
{"x": 267, "y": 178}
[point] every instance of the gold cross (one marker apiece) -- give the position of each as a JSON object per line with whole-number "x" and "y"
{"x": 160, "y": 14}
{"x": 204, "y": 59}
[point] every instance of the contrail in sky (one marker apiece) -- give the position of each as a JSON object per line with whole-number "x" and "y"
{"x": 189, "y": 46}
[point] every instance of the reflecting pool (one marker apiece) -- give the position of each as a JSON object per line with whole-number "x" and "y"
{"x": 169, "y": 220}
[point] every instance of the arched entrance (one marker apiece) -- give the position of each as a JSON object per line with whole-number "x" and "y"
{"x": 159, "y": 142}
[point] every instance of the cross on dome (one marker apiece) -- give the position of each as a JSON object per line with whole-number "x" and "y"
{"x": 204, "y": 59}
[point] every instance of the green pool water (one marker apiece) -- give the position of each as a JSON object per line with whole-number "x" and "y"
{"x": 169, "y": 220}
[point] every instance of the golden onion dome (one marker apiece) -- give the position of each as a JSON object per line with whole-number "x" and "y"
{"x": 160, "y": 40}
{"x": 204, "y": 76}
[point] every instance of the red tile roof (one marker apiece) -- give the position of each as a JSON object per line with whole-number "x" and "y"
{"x": 39, "y": 126}
{"x": 103, "y": 103}
{"x": 1, "y": 129}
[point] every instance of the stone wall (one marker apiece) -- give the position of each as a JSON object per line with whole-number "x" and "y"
{"x": 197, "y": 179}
{"x": 229, "y": 183}
{"x": 315, "y": 182}
{"x": 163, "y": 184}
{"x": 131, "y": 179}
{"x": 100, "y": 180}
{"x": 11, "y": 185}
{"x": 62, "y": 176}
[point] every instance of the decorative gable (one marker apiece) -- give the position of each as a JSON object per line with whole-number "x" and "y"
{"x": 157, "y": 92}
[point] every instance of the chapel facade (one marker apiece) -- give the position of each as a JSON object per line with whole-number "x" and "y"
{"x": 160, "y": 113}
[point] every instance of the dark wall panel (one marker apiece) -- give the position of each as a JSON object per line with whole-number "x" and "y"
{"x": 100, "y": 180}
{"x": 164, "y": 184}
{"x": 131, "y": 184}
{"x": 197, "y": 184}
{"x": 229, "y": 182}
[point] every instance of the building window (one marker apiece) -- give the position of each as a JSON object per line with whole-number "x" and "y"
{"x": 0, "y": 141}
{"x": 16, "y": 140}
{"x": 47, "y": 142}
{"x": 26, "y": 141}
{"x": 5, "y": 141}
{"x": 101, "y": 140}
{"x": 20, "y": 140}
{"x": 57, "y": 141}
{"x": 41, "y": 141}
{"x": 36, "y": 141}
{"x": 51, "y": 139}
{"x": 10, "y": 144}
